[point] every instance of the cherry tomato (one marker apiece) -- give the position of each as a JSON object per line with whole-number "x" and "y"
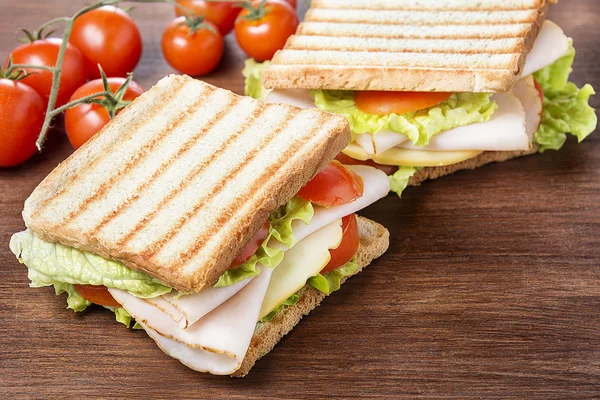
{"x": 333, "y": 186}
{"x": 383, "y": 103}
{"x": 221, "y": 14}
{"x": 109, "y": 37}
{"x": 261, "y": 35}
{"x": 349, "y": 246}
{"x": 22, "y": 112}
{"x": 44, "y": 53}
{"x": 97, "y": 295}
{"x": 347, "y": 160}
{"x": 292, "y": 3}
{"x": 196, "y": 53}
{"x": 85, "y": 120}
{"x": 252, "y": 246}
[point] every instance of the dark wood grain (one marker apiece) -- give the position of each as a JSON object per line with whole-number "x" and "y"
{"x": 491, "y": 286}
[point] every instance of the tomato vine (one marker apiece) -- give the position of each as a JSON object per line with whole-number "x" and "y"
{"x": 12, "y": 70}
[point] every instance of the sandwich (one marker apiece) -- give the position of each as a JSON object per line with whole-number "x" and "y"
{"x": 432, "y": 87}
{"x": 212, "y": 220}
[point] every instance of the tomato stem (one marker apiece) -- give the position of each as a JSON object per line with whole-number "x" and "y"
{"x": 52, "y": 22}
{"x": 51, "y": 112}
{"x": 185, "y": 10}
{"x": 254, "y": 13}
{"x": 58, "y": 68}
{"x": 28, "y": 66}
{"x": 86, "y": 99}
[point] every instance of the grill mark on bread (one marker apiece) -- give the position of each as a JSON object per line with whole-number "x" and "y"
{"x": 158, "y": 245}
{"x": 144, "y": 152}
{"x": 264, "y": 178}
{"x": 364, "y": 26}
{"x": 416, "y": 51}
{"x": 428, "y": 6}
{"x": 191, "y": 175}
{"x": 156, "y": 107}
{"x": 337, "y": 44}
{"x": 329, "y": 141}
{"x": 138, "y": 191}
{"x": 308, "y": 30}
{"x": 402, "y": 17}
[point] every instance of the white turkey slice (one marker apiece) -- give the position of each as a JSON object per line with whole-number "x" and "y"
{"x": 550, "y": 45}
{"x": 226, "y": 331}
{"x": 504, "y": 131}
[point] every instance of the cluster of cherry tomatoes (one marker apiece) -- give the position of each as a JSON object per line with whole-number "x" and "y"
{"x": 195, "y": 46}
{"x": 107, "y": 39}
{"x": 106, "y": 36}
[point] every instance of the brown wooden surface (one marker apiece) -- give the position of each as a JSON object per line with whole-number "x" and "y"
{"x": 491, "y": 286}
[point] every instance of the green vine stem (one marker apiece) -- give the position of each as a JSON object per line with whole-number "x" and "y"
{"x": 27, "y": 66}
{"x": 52, "y": 112}
{"x": 57, "y": 71}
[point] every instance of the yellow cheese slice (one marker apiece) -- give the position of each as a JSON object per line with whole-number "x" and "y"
{"x": 306, "y": 259}
{"x": 411, "y": 158}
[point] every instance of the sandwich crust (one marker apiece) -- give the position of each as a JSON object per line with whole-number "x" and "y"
{"x": 486, "y": 157}
{"x": 374, "y": 241}
{"x": 182, "y": 179}
{"x": 456, "y": 46}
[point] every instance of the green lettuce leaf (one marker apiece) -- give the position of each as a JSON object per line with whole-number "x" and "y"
{"x": 290, "y": 301}
{"x": 566, "y": 107}
{"x": 122, "y": 316}
{"x": 459, "y": 110}
{"x": 77, "y": 303}
{"x": 399, "y": 180}
{"x": 253, "y": 85}
{"x": 265, "y": 255}
{"x": 125, "y": 318}
{"x": 281, "y": 219}
{"x": 281, "y": 229}
{"x": 52, "y": 263}
{"x": 74, "y": 301}
{"x": 332, "y": 281}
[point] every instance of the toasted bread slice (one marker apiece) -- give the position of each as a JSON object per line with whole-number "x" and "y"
{"x": 432, "y": 5}
{"x": 374, "y": 241}
{"x": 446, "y": 46}
{"x": 182, "y": 179}
{"x": 486, "y": 157}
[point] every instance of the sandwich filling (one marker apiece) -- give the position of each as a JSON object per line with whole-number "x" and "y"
{"x": 402, "y": 132}
{"x": 312, "y": 239}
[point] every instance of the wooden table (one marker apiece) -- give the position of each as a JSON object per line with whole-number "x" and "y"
{"x": 491, "y": 286}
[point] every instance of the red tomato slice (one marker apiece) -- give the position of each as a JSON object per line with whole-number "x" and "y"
{"x": 349, "y": 246}
{"x": 97, "y": 295}
{"x": 347, "y": 160}
{"x": 333, "y": 186}
{"x": 252, "y": 246}
{"x": 383, "y": 103}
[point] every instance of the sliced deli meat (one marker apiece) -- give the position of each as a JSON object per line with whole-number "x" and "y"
{"x": 227, "y": 330}
{"x": 190, "y": 308}
{"x": 532, "y": 102}
{"x": 295, "y": 97}
{"x": 376, "y": 186}
{"x": 380, "y": 142}
{"x": 504, "y": 131}
{"x": 550, "y": 45}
